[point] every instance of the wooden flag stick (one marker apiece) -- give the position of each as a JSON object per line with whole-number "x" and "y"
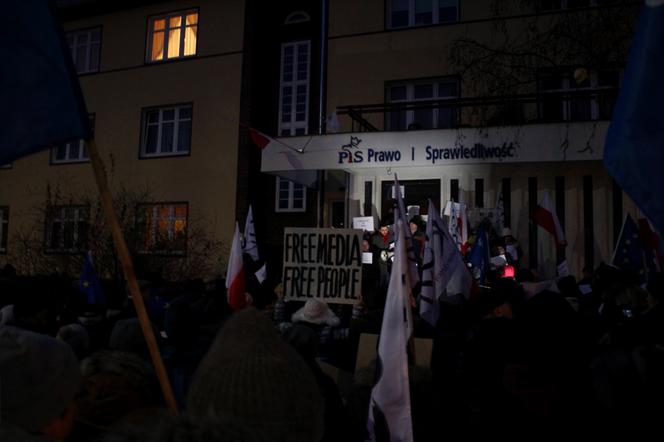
{"x": 130, "y": 276}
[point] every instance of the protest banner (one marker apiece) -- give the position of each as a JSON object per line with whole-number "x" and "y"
{"x": 325, "y": 264}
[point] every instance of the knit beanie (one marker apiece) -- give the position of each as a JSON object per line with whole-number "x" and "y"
{"x": 252, "y": 376}
{"x": 39, "y": 378}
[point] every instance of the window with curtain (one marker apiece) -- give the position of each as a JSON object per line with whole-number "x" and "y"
{"x": 85, "y": 47}
{"x": 162, "y": 228}
{"x": 73, "y": 151}
{"x": 166, "y": 131}
{"x": 172, "y": 36}
{"x": 67, "y": 229}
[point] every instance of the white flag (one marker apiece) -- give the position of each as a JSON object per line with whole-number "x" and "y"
{"x": 441, "y": 261}
{"x": 249, "y": 245}
{"x": 458, "y": 222}
{"x": 389, "y": 407}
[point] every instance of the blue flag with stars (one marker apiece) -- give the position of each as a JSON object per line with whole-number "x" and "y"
{"x": 629, "y": 254}
{"x": 89, "y": 283}
{"x": 479, "y": 255}
{"x": 634, "y": 148}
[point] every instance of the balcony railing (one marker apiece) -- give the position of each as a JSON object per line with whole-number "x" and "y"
{"x": 504, "y": 110}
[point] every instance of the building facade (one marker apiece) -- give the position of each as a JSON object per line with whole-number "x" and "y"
{"x": 463, "y": 100}
{"x": 161, "y": 81}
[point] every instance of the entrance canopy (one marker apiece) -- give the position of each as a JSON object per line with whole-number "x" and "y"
{"x": 352, "y": 152}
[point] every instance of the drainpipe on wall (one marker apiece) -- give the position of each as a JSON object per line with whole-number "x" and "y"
{"x": 321, "y": 105}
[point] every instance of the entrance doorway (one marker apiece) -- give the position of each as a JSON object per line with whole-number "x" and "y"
{"x": 415, "y": 193}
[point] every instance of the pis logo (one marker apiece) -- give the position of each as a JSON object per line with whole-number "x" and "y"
{"x": 348, "y": 154}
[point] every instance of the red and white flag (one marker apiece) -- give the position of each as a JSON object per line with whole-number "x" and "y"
{"x": 259, "y": 138}
{"x": 235, "y": 279}
{"x": 545, "y": 216}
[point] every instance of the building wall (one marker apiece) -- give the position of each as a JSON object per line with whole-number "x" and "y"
{"x": 206, "y": 178}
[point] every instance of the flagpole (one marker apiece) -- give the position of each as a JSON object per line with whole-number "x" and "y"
{"x": 130, "y": 276}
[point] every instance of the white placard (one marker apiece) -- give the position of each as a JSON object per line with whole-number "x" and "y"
{"x": 367, "y": 258}
{"x": 365, "y": 223}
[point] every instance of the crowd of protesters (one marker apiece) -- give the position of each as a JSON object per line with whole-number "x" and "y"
{"x": 516, "y": 353}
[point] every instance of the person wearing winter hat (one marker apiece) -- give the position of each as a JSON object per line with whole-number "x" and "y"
{"x": 251, "y": 376}
{"x": 39, "y": 378}
{"x": 77, "y": 337}
{"x": 316, "y": 312}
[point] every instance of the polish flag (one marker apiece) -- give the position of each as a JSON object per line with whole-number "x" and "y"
{"x": 235, "y": 280}
{"x": 259, "y": 138}
{"x": 545, "y": 216}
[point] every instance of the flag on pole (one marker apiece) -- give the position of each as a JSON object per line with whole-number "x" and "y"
{"x": 634, "y": 148}
{"x": 629, "y": 253}
{"x": 259, "y": 138}
{"x": 651, "y": 246}
{"x": 89, "y": 282}
{"x": 402, "y": 214}
{"x": 389, "y": 407}
{"x": 249, "y": 245}
{"x": 235, "y": 279}
{"x": 545, "y": 216}
{"x": 479, "y": 255}
{"x": 499, "y": 213}
{"x": 441, "y": 261}
{"x": 42, "y": 104}
{"x": 458, "y": 223}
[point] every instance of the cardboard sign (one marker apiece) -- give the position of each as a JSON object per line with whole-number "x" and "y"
{"x": 365, "y": 223}
{"x": 325, "y": 264}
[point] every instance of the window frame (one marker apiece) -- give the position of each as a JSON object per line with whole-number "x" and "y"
{"x": 143, "y": 155}
{"x": 80, "y": 244}
{"x": 294, "y": 127}
{"x": 4, "y": 229}
{"x": 566, "y": 75}
{"x": 141, "y": 240}
{"x": 291, "y": 197}
{"x": 167, "y": 16}
{"x": 82, "y": 148}
{"x": 564, "y": 5}
{"x": 410, "y": 113}
{"x": 435, "y": 17}
{"x": 75, "y": 33}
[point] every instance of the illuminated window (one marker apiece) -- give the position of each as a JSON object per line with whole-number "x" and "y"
{"x": 166, "y": 131}
{"x": 162, "y": 228}
{"x": 85, "y": 47}
{"x": 172, "y": 36}
{"x": 74, "y": 151}
{"x": 4, "y": 224}
{"x": 409, "y": 13}
{"x": 67, "y": 228}
{"x": 294, "y": 89}
{"x": 291, "y": 196}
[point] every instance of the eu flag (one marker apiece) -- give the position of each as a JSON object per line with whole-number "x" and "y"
{"x": 42, "y": 104}
{"x": 89, "y": 283}
{"x": 634, "y": 149}
{"x": 628, "y": 254}
{"x": 479, "y": 255}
